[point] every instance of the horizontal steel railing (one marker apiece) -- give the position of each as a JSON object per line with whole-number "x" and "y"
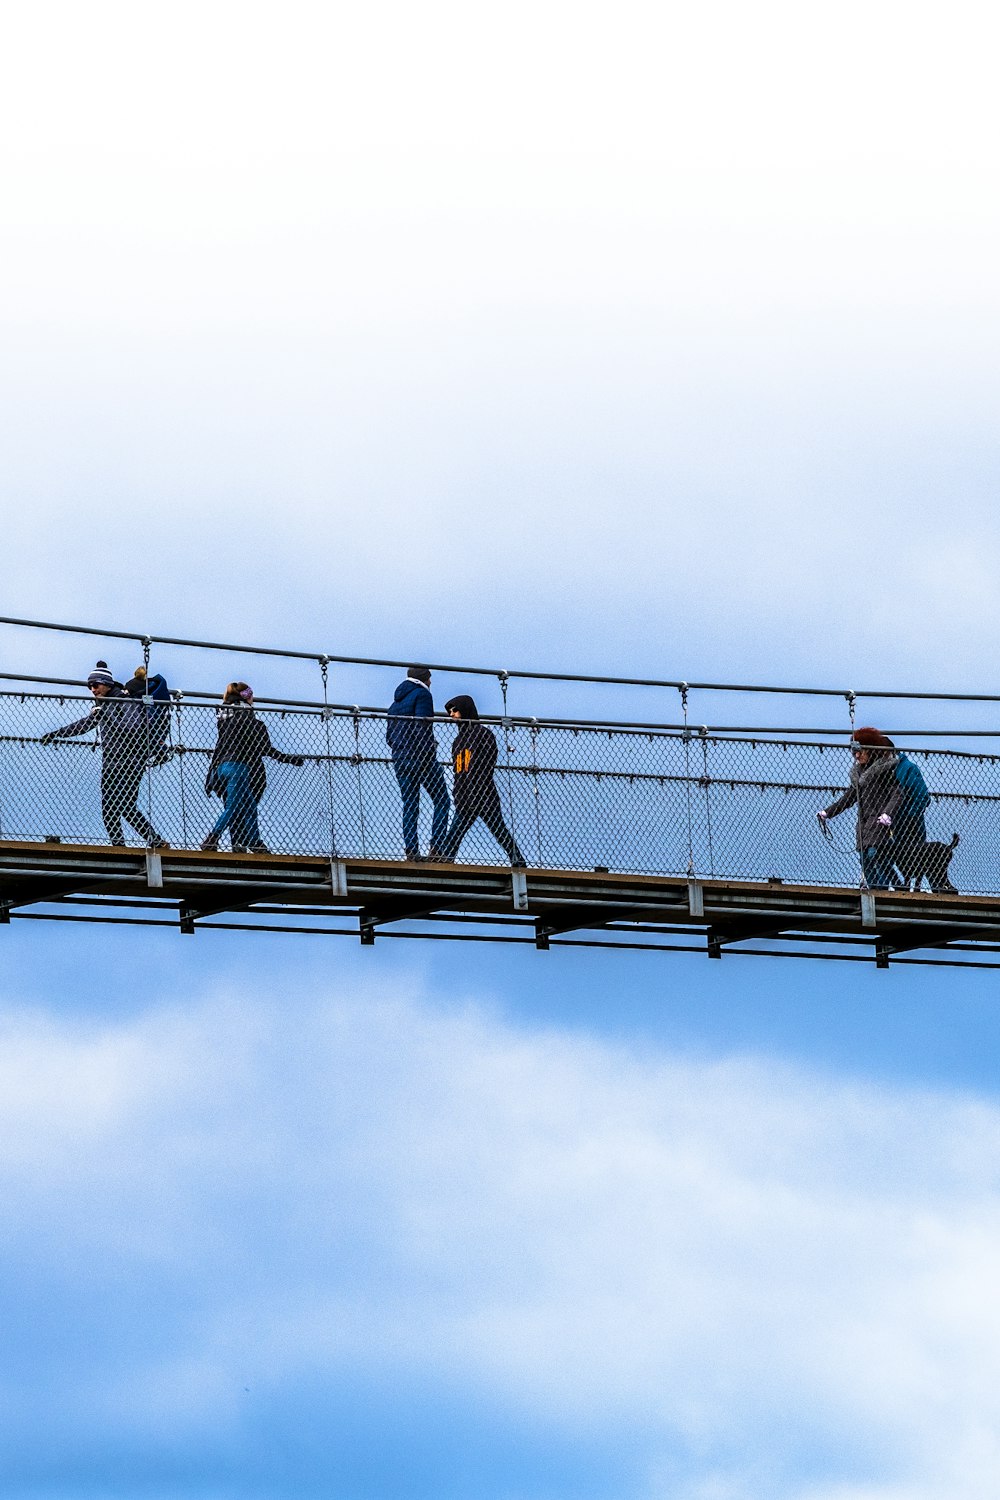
{"x": 651, "y": 802}
{"x": 149, "y": 640}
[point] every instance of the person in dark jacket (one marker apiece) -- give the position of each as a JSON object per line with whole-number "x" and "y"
{"x": 881, "y": 797}
{"x": 409, "y": 732}
{"x": 121, "y": 727}
{"x": 155, "y": 695}
{"x": 236, "y": 770}
{"x": 474, "y": 755}
{"x": 909, "y": 827}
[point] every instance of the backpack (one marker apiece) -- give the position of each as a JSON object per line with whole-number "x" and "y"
{"x": 914, "y": 787}
{"x": 121, "y": 715}
{"x": 155, "y": 716}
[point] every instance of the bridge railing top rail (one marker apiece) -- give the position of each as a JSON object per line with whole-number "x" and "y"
{"x": 326, "y": 659}
{"x": 822, "y": 739}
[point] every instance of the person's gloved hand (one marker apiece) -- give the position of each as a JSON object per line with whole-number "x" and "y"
{"x": 298, "y": 760}
{"x": 885, "y": 820}
{"x": 822, "y": 815}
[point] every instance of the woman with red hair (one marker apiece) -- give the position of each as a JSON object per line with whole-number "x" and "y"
{"x": 880, "y": 797}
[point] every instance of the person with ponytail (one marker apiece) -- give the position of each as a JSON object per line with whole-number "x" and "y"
{"x": 236, "y": 772}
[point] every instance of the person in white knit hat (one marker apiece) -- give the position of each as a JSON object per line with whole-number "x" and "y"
{"x": 120, "y": 722}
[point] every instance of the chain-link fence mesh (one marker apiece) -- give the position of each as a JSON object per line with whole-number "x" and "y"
{"x": 642, "y": 802}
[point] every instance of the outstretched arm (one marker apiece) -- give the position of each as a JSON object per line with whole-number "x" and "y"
{"x": 286, "y": 760}
{"x": 273, "y": 753}
{"x": 844, "y": 801}
{"x": 78, "y": 726}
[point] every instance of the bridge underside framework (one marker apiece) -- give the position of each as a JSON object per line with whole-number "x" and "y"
{"x": 376, "y": 899}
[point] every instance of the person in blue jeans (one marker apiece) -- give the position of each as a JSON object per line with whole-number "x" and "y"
{"x": 409, "y": 733}
{"x": 236, "y": 771}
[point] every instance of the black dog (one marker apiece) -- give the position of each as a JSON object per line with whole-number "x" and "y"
{"x": 928, "y": 861}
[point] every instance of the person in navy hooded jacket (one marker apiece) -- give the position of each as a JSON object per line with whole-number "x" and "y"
{"x": 409, "y": 731}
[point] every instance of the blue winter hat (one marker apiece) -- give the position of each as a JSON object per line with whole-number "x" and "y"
{"x": 99, "y": 675}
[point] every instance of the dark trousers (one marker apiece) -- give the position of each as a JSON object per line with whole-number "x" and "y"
{"x": 487, "y": 807}
{"x": 120, "y": 780}
{"x": 412, "y": 775}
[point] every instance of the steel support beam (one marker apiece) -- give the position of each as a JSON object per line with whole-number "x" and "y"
{"x": 236, "y": 898}
{"x": 31, "y": 893}
{"x": 370, "y": 918}
{"x": 741, "y": 932}
{"x": 905, "y": 939}
{"x": 577, "y": 919}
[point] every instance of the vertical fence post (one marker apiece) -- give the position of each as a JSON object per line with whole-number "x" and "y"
{"x": 181, "y": 749}
{"x": 503, "y": 678}
{"x": 537, "y": 789}
{"x": 356, "y": 717}
{"x": 146, "y": 711}
{"x": 324, "y": 666}
{"x": 851, "y": 700}
{"x": 706, "y": 782}
{"x": 687, "y": 776}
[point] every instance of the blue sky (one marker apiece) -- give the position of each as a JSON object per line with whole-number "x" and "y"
{"x": 643, "y": 340}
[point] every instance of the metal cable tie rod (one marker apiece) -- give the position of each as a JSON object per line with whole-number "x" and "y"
{"x": 143, "y": 638}
{"x": 621, "y": 726}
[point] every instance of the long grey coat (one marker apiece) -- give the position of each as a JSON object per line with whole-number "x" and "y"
{"x": 875, "y": 790}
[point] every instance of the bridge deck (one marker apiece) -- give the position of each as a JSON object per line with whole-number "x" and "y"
{"x": 187, "y": 889}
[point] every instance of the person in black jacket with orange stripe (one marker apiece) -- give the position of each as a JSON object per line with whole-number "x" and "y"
{"x": 474, "y": 755}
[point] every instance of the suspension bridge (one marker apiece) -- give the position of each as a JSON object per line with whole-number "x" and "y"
{"x": 668, "y": 835}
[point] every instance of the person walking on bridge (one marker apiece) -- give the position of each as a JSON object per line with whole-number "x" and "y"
{"x": 474, "y": 755}
{"x": 409, "y": 732}
{"x": 236, "y": 771}
{"x": 122, "y": 730}
{"x": 883, "y": 801}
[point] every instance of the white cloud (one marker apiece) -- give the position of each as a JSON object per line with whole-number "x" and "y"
{"x": 722, "y": 1256}
{"x": 690, "y": 311}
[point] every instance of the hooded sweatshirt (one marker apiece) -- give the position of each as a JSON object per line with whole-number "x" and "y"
{"x": 474, "y": 756}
